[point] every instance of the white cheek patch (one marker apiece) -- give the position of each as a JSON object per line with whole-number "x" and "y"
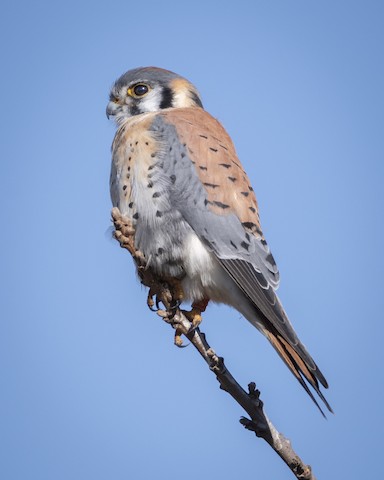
{"x": 151, "y": 102}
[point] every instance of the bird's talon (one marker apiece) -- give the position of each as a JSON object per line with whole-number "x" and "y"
{"x": 178, "y": 339}
{"x": 150, "y": 301}
{"x": 194, "y": 316}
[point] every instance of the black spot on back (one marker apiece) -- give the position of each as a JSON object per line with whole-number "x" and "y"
{"x": 221, "y": 205}
{"x": 225, "y": 165}
{"x": 211, "y": 185}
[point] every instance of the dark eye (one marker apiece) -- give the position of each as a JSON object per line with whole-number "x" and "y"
{"x": 140, "y": 90}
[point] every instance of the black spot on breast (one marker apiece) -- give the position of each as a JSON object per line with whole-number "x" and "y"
{"x": 182, "y": 154}
{"x": 153, "y": 155}
{"x": 203, "y": 168}
{"x": 225, "y": 165}
{"x": 173, "y": 178}
{"x": 156, "y": 195}
{"x": 211, "y": 185}
{"x": 136, "y": 143}
{"x": 245, "y": 194}
{"x": 232, "y": 179}
{"x": 160, "y": 251}
{"x": 245, "y": 245}
{"x": 130, "y": 205}
{"x": 129, "y": 159}
{"x": 136, "y": 216}
{"x": 252, "y": 209}
{"x": 159, "y": 214}
{"x": 124, "y": 187}
{"x": 150, "y": 184}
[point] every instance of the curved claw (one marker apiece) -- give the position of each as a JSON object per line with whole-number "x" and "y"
{"x": 179, "y": 340}
{"x": 175, "y": 305}
{"x": 150, "y": 301}
{"x": 157, "y": 303}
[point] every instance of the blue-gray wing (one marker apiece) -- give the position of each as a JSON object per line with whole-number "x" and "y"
{"x": 213, "y": 194}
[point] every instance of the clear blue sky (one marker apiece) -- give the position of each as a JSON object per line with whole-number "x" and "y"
{"x": 91, "y": 384}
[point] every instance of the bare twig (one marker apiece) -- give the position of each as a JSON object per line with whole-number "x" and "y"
{"x": 159, "y": 289}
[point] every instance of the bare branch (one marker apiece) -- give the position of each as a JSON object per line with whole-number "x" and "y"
{"x": 163, "y": 292}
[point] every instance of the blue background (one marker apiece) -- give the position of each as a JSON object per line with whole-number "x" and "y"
{"x": 91, "y": 384}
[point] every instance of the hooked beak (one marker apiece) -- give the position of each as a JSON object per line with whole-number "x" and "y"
{"x": 112, "y": 109}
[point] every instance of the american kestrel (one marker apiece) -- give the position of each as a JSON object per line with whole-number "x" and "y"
{"x": 176, "y": 176}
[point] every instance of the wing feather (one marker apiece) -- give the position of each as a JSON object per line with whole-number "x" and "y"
{"x": 227, "y": 221}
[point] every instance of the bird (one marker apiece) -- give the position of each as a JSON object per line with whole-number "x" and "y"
{"x": 176, "y": 176}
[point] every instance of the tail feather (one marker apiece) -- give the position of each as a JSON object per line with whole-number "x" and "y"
{"x": 298, "y": 366}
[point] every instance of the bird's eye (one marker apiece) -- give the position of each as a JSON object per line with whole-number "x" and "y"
{"x": 138, "y": 90}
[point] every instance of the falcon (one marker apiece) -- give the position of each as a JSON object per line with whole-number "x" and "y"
{"x": 176, "y": 176}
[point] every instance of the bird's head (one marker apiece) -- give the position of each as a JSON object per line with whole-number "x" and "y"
{"x": 149, "y": 89}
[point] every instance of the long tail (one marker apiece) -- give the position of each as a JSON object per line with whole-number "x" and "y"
{"x": 300, "y": 364}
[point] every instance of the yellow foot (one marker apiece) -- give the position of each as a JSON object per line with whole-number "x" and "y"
{"x": 176, "y": 289}
{"x": 178, "y": 339}
{"x": 194, "y": 316}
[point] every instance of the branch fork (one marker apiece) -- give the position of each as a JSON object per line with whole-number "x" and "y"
{"x": 162, "y": 292}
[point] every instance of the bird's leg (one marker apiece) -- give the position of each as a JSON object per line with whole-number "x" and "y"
{"x": 177, "y": 294}
{"x": 125, "y": 235}
{"x": 194, "y": 315}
